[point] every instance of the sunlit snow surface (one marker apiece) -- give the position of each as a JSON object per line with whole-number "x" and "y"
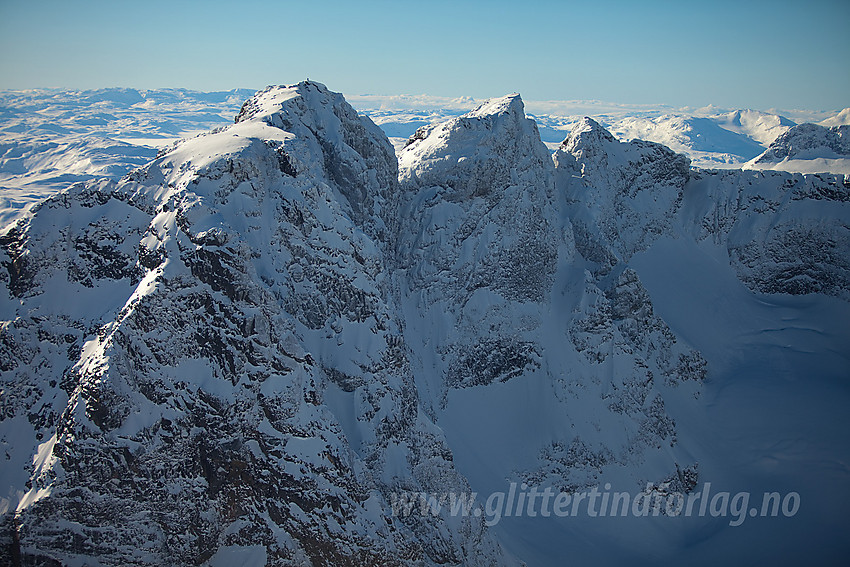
{"x": 52, "y": 138}
{"x": 710, "y": 136}
{"x": 770, "y": 416}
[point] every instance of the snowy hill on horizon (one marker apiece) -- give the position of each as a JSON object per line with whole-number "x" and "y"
{"x": 808, "y": 148}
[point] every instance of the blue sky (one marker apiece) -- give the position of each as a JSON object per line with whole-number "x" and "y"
{"x": 742, "y": 54}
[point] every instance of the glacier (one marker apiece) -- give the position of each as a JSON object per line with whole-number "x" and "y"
{"x": 247, "y": 347}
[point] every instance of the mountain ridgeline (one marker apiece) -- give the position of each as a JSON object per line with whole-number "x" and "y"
{"x": 249, "y": 346}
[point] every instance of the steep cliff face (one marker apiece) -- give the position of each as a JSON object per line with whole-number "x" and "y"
{"x": 625, "y": 192}
{"x": 784, "y": 233}
{"x": 207, "y": 363}
{"x": 476, "y": 242}
{"x": 536, "y": 345}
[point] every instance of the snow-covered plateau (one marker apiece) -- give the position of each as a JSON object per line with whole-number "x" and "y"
{"x": 289, "y": 339}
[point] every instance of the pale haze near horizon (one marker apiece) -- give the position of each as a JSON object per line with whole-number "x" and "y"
{"x": 765, "y": 55}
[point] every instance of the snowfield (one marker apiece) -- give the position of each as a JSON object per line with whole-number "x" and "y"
{"x": 259, "y": 343}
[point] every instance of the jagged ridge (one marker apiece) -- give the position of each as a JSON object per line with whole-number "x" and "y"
{"x": 271, "y": 333}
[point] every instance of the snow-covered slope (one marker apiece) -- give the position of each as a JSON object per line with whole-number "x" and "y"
{"x": 750, "y": 269}
{"x": 762, "y": 127}
{"x": 203, "y": 360}
{"x": 517, "y": 289}
{"x": 542, "y": 357}
{"x": 840, "y": 119}
{"x": 808, "y": 148}
{"x": 50, "y": 139}
{"x": 706, "y": 141}
{"x": 248, "y": 349}
{"x": 707, "y": 137}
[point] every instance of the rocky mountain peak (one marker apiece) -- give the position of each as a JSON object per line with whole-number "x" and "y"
{"x": 631, "y": 189}
{"x": 594, "y": 148}
{"x": 297, "y": 126}
{"x": 260, "y": 344}
{"x": 505, "y": 105}
{"x": 276, "y": 99}
{"x": 587, "y": 133}
{"x": 230, "y": 344}
{"x": 806, "y": 141}
{"x": 479, "y": 153}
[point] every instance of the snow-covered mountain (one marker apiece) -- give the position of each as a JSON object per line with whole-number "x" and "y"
{"x": 840, "y": 119}
{"x": 710, "y": 137}
{"x": 205, "y": 361}
{"x": 808, "y": 148}
{"x": 248, "y": 348}
{"x": 52, "y": 138}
